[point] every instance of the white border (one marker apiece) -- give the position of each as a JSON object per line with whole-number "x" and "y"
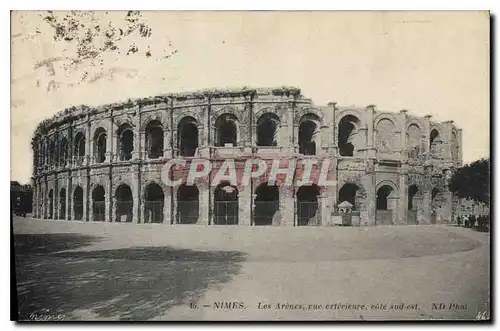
{"x": 199, "y": 5}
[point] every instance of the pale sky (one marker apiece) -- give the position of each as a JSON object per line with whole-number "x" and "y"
{"x": 428, "y": 63}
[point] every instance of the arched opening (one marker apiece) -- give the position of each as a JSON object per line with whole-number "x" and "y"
{"x": 348, "y": 193}
{"x": 308, "y": 212}
{"x": 412, "y": 204}
{"x": 98, "y": 203}
{"x": 267, "y": 129}
{"x": 187, "y": 136}
{"x": 51, "y": 204}
{"x": 154, "y": 139}
{"x": 78, "y": 203}
{"x": 385, "y": 205}
{"x": 188, "y": 204}
{"x": 437, "y": 199}
{"x": 124, "y": 203}
{"x": 435, "y": 143}
{"x": 412, "y": 192}
{"x": 226, "y": 130}
{"x": 100, "y": 138}
{"x": 62, "y": 204}
{"x": 347, "y": 131}
{"x": 225, "y": 204}
{"x": 308, "y": 132}
{"x": 125, "y": 142}
{"x": 382, "y": 197}
{"x": 267, "y": 203}
{"x": 79, "y": 148}
{"x": 413, "y": 141}
{"x": 63, "y": 152}
{"x": 52, "y": 153}
{"x": 153, "y": 207}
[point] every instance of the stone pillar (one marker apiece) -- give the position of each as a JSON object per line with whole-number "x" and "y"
{"x": 334, "y": 135}
{"x": 110, "y": 209}
{"x": 426, "y": 146}
{"x": 371, "y": 198}
{"x": 137, "y": 194}
{"x": 111, "y": 139}
{"x": 204, "y": 203}
{"x": 403, "y": 197}
{"x": 244, "y": 205}
{"x": 167, "y": 205}
{"x": 324, "y": 202}
{"x": 88, "y": 146}
{"x": 459, "y": 137}
{"x": 370, "y": 145}
{"x": 287, "y": 205}
{"x": 427, "y": 207}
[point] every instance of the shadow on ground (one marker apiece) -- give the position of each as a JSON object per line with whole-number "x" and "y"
{"x": 136, "y": 283}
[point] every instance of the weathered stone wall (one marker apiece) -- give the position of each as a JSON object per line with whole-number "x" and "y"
{"x": 390, "y": 149}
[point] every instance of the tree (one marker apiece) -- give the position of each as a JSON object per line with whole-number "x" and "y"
{"x": 472, "y": 181}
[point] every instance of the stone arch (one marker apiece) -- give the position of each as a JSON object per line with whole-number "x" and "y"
{"x": 308, "y": 206}
{"x": 262, "y": 111}
{"x": 188, "y": 204}
{"x": 309, "y": 138}
{"x": 266, "y": 204}
{"x": 98, "y": 202}
{"x": 156, "y": 117}
{"x": 79, "y": 147}
{"x": 226, "y": 130}
{"x": 51, "y": 203}
{"x": 154, "y": 139}
{"x": 388, "y": 182}
{"x": 413, "y": 140}
{"x": 352, "y": 193}
{"x": 100, "y": 144}
{"x": 125, "y": 141}
{"x": 435, "y": 142}
{"x": 63, "y": 154}
{"x": 226, "y": 208}
{"x": 387, "y": 134}
{"x": 348, "y": 134}
{"x": 62, "y": 203}
{"x": 413, "y": 192}
{"x": 268, "y": 129}
{"x": 221, "y": 111}
{"x": 154, "y": 200}
{"x": 187, "y": 136}
{"x": 124, "y": 203}
{"x": 312, "y": 111}
{"x": 387, "y": 116}
{"x": 78, "y": 202}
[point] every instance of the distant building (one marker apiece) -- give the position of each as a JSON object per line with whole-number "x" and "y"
{"x": 21, "y": 198}
{"x": 466, "y": 208}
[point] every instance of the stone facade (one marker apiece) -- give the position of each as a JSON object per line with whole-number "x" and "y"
{"x": 105, "y": 163}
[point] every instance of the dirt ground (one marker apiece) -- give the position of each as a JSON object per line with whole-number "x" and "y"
{"x": 68, "y": 270}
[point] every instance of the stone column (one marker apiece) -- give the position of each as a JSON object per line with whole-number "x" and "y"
{"x": 427, "y": 207}
{"x": 324, "y": 202}
{"x": 403, "y": 197}
{"x": 204, "y": 203}
{"x": 334, "y": 135}
{"x": 167, "y": 206}
{"x": 111, "y": 139}
{"x": 459, "y": 137}
{"x": 426, "y": 146}
{"x": 244, "y": 205}
{"x": 287, "y": 205}
{"x": 110, "y": 209}
{"x": 369, "y": 217}
{"x": 370, "y": 145}
{"x": 88, "y": 145}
